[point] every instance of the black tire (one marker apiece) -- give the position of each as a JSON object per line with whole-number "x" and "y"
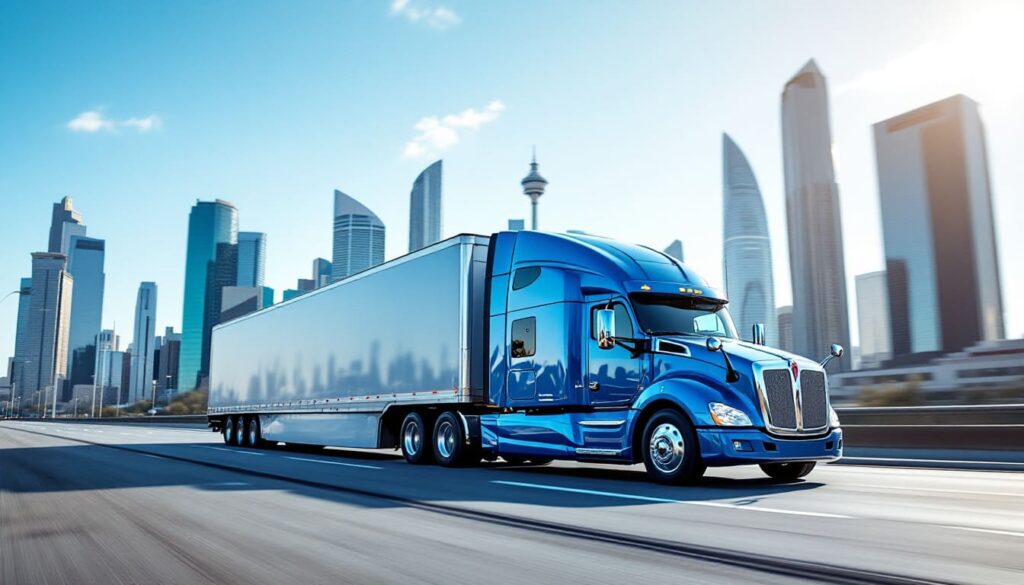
{"x": 450, "y": 448}
{"x": 791, "y": 471}
{"x": 225, "y": 430}
{"x": 236, "y": 431}
{"x": 670, "y": 450}
{"x": 254, "y": 432}
{"x": 415, "y": 437}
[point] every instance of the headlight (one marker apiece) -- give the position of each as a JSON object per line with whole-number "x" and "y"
{"x": 833, "y": 418}
{"x": 727, "y": 416}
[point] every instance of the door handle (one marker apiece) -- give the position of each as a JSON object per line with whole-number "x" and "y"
{"x": 595, "y": 386}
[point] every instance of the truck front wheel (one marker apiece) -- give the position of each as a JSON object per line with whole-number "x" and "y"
{"x": 415, "y": 438}
{"x": 787, "y": 471}
{"x": 669, "y": 447}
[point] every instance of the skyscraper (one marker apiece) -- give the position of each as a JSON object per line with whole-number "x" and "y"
{"x": 321, "y": 272}
{"x": 533, "y": 187}
{"x": 46, "y": 335}
{"x": 221, "y": 274}
{"x": 425, "y": 208}
{"x": 170, "y": 350}
{"x": 817, "y": 266}
{"x": 675, "y": 250}
{"x": 85, "y": 264}
{"x": 210, "y": 223}
{"x": 143, "y": 343}
{"x": 358, "y": 237}
{"x": 21, "y": 333}
{"x": 873, "y": 318}
{"x": 63, "y": 213}
{"x": 516, "y": 225}
{"x": 747, "y": 257}
{"x": 940, "y": 249}
{"x": 252, "y": 253}
{"x": 784, "y": 317}
{"x": 237, "y": 301}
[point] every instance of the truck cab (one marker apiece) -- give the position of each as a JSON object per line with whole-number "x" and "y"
{"x": 611, "y": 352}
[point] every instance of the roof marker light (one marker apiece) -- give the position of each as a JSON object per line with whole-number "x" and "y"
{"x": 645, "y": 287}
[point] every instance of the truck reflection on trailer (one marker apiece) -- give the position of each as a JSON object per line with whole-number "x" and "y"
{"x": 528, "y": 346}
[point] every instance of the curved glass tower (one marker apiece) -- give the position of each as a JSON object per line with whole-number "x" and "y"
{"x": 358, "y": 237}
{"x": 747, "y": 257}
{"x": 425, "y": 208}
{"x": 210, "y": 224}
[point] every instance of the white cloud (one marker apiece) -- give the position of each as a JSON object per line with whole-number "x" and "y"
{"x": 94, "y": 121}
{"x": 439, "y": 134}
{"x": 439, "y": 17}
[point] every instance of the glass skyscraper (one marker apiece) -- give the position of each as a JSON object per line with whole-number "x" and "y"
{"x": 816, "y": 262}
{"x": 252, "y": 254}
{"x": 425, "y": 208}
{"x": 210, "y": 223}
{"x": 873, "y": 318}
{"x": 747, "y": 257}
{"x": 46, "y": 327}
{"x": 321, "y": 272}
{"x": 85, "y": 264}
{"x": 20, "y": 334}
{"x": 940, "y": 249}
{"x": 63, "y": 213}
{"x": 143, "y": 343}
{"x": 358, "y": 237}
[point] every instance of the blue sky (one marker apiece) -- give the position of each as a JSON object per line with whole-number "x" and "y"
{"x": 137, "y": 109}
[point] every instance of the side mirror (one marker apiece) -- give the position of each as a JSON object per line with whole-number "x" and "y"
{"x": 758, "y": 334}
{"x": 834, "y": 352}
{"x": 605, "y": 328}
{"x": 715, "y": 344}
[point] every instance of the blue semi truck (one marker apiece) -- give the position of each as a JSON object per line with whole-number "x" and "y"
{"x": 528, "y": 346}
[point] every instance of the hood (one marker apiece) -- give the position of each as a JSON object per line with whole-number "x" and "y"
{"x": 742, "y": 353}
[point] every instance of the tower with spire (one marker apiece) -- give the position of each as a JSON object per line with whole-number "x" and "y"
{"x": 533, "y": 187}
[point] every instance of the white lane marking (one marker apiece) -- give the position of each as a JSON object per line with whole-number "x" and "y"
{"x": 932, "y": 461}
{"x": 153, "y": 456}
{"x": 228, "y": 450}
{"x": 334, "y": 463}
{"x": 937, "y": 490}
{"x": 666, "y": 500}
{"x": 986, "y": 530}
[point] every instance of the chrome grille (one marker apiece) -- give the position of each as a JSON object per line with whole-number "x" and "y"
{"x": 778, "y": 388}
{"x": 814, "y": 403}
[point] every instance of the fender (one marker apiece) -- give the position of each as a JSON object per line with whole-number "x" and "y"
{"x": 692, "y": 395}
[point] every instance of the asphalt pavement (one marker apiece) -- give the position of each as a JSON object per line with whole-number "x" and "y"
{"x": 137, "y": 504}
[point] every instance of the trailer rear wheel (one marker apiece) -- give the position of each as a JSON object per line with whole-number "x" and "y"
{"x": 670, "y": 450}
{"x": 450, "y": 448}
{"x": 253, "y": 432}
{"x": 236, "y": 431}
{"x": 225, "y": 430}
{"x": 415, "y": 438}
{"x": 787, "y": 471}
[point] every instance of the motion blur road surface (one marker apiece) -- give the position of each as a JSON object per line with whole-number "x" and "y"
{"x": 106, "y": 503}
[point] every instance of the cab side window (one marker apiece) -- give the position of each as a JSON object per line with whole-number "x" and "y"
{"x": 524, "y": 337}
{"x": 623, "y": 324}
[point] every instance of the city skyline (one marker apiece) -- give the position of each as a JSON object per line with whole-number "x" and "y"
{"x": 483, "y": 165}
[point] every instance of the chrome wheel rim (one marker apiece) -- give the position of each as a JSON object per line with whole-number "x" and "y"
{"x": 667, "y": 448}
{"x": 446, "y": 440}
{"x": 412, "y": 438}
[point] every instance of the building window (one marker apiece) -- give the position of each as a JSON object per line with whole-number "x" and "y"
{"x": 524, "y": 337}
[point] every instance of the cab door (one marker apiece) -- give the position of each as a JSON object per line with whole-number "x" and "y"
{"x": 613, "y": 375}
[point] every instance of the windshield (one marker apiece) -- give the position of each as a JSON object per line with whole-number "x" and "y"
{"x": 661, "y": 314}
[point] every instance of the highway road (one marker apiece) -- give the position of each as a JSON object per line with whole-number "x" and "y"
{"x": 137, "y": 504}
